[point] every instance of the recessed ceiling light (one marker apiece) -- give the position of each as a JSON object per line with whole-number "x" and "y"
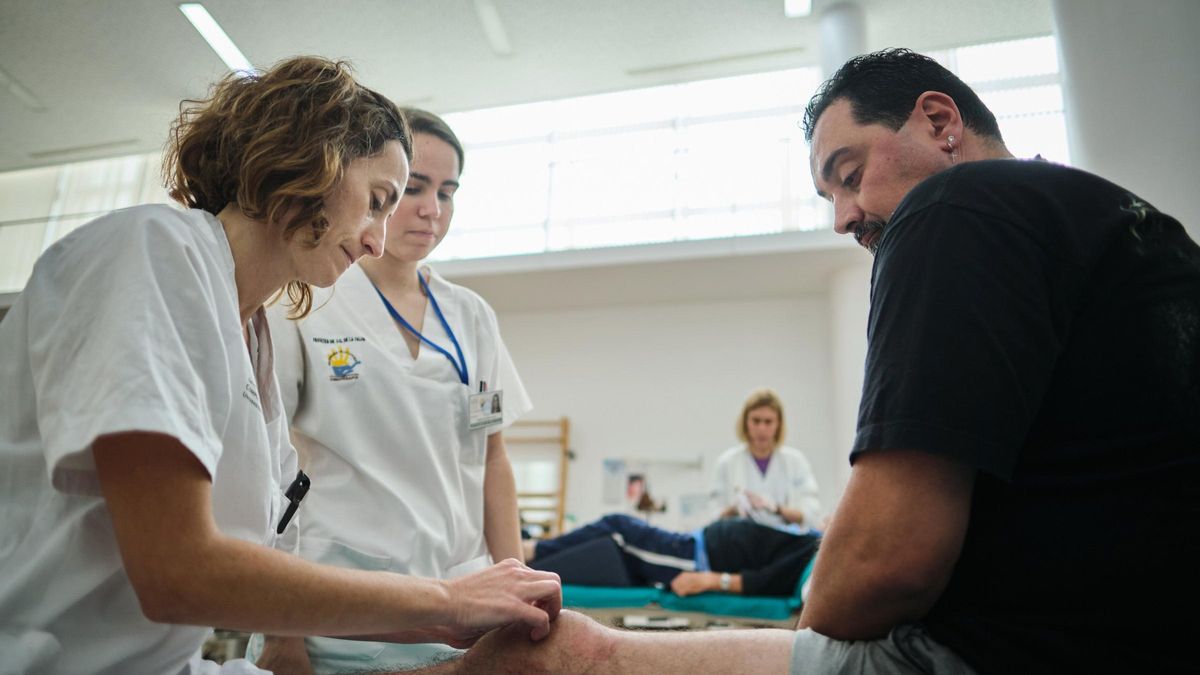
{"x": 795, "y": 8}
{"x": 216, "y": 38}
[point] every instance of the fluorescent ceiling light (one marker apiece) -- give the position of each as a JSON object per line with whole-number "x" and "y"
{"x": 718, "y": 60}
{"x": 795, "y": 8}
{"x": 493, "y": 27}
{"x": 216, "y": 38}
{"x": 84, "y": 149}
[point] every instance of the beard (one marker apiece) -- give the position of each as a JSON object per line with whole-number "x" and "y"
{"x": 868, "y": 234}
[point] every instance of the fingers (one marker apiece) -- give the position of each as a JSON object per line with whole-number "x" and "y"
{"x": 509, "y": 592}
{"x": 553, "y": 604}
{"x": 542, "y": 589}
{"x": 541, "y": 593}
{"x": 545, "y": 604}
{"x": 548, "y": 591}
{"x": 537, "y": 620}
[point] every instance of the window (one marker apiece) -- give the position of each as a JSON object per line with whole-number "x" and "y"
{"x": 40, "y": 206}
{"x": 708, "y": 159}
{"x": 714, "y": 158}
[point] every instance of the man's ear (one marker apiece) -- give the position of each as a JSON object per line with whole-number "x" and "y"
{"x": 936, "y": 116}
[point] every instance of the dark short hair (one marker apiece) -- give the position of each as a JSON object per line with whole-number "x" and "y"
{"x": 882, "y": 88}
{"x": 425, "y": 122}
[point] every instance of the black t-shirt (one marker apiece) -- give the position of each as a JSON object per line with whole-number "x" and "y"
{"x": 769, "y": 560}
{"x": 1042, "y": 325}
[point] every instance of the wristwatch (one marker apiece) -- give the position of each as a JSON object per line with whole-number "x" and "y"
{"x": 726, "y": 581}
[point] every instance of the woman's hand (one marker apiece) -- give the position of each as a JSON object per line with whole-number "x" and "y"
{"x": 759, "y": 502}
{"x": 577, "y": 645}
{"x": 507, "y": 593}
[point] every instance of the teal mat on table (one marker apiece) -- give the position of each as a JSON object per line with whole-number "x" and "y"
{"x": 724, "y": 604}
{"x": 609, "y": 596}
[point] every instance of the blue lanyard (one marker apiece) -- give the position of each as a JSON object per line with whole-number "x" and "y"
{"x": 460, "y": 369}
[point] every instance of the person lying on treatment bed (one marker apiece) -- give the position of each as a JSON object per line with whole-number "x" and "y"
{"x": 736, "y": 555}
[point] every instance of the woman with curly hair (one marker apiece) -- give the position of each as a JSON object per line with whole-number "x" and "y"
{"x": 144, "y": 454}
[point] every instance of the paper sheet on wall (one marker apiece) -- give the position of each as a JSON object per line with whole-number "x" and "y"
{"x": 613, "y": 488}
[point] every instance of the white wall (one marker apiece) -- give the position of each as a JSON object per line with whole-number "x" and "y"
{"x": 1131, "y": 76}
{"x": 849, "y": 303}
{"x": 666, "y": 381}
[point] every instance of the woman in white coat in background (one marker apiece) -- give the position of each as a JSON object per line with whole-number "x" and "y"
{"x": 143, "y": 451}
{"x": 393, "y": 386}
{"x": 762, "y": 479}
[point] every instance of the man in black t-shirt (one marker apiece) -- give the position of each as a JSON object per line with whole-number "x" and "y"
{"x": 1032, "y": 392}
{"x": 1025, "y": 490}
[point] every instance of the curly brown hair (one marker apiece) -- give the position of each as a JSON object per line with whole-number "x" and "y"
{"x": 276, "y": 143}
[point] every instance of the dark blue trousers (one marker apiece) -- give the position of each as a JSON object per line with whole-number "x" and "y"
{"x": 653, "y": 554}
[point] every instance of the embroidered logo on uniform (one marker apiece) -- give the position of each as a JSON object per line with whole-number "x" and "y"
{"x": 250, "y": 393}
{"x": 343, "y": 363}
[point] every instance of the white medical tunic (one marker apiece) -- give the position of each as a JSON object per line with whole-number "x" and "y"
{"x": 130, "y": 323}
{"x": 397, "y": 476}
{"x": 788, "y": 481}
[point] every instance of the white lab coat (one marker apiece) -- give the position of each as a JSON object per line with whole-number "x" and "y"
{"x": 789, "y": 481}
{"x": 397, "y": 477}
{"x": 128, "y": 324}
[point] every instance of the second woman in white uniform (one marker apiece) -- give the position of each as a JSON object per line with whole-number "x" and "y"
{"x": 763, "y": 479}
{"x": 393, "y": 386}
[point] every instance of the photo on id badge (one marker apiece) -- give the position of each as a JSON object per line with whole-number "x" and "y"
{"x": 486, "y": 409}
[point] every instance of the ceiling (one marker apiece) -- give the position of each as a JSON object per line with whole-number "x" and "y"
{"x": 109, "y": 75}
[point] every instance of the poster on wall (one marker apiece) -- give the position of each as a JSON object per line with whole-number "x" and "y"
{"x": 695, "y": 506}
{"x": 613, "y": 485}
{"x": 635, "y": 489}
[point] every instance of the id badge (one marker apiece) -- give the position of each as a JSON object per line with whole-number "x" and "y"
{"x": 486, "y": 409}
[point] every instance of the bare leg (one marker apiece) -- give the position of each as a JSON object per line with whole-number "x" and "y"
{"x": 578, "y": 645}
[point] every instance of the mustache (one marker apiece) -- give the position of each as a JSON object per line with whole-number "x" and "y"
{"x": 872, "y": 230}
